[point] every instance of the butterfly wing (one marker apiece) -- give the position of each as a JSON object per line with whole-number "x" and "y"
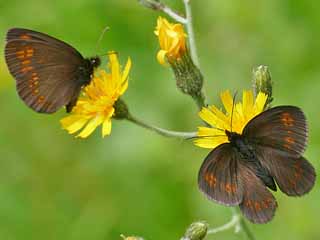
{"x": 295, "y": 176}
{"x": 218, "y": 176}
{"x": 283, "y": 128}
{"x": 280, "y": 137}
{"x": 258, "y": 204}
{"x": 46, "y": 69}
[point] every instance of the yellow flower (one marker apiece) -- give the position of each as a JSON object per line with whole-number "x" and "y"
{"x": 172, "y": 40}
{"x": 96, "y": 107}
{"x": 242, "y": 114}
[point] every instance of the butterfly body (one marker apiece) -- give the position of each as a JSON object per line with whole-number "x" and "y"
{"x": 248, "y": 156}
{"x": 241, "y": 144}
{"x": 49, "y": 73}
{"x": 85, "y": 71}
{"x": 268, "y": 151}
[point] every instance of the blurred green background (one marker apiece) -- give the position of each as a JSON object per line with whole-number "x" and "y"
{"x": 53, "y": 186}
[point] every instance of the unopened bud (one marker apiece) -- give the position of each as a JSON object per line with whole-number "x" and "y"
{"x": 196, "y": 231}
{"x": 262, "y": 83}
{"x": 188, "y": 78}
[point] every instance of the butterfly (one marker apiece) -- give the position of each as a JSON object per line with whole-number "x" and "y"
{"x": 267, "y": 154}
{"x": 49, "y": 73}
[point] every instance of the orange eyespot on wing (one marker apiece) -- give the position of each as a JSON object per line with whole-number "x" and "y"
{"x": 210, "y": 179}
{"x": 258, "y": 204}
{"x": 295, "y": 176}
{"x": 283, "y": 128}
{"x": 46, "y": 69}
{"x": 287, "y": 119}
{"x": 24, "y": 37}
{"x": 218, "y": 176}
{"x": 24, "y": 52}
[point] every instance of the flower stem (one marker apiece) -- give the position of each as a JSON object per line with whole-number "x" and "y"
{"x": 235, "y": 220}
{"x": 174, "y": 15}
{"x": 200, "y": 100}
{"x": 246, "y": 230}
{"x": 159, "y": 6}
{"x": 192, "y": 42}
{"x": 243, "y": 225}
{"x": 161, "y": 131}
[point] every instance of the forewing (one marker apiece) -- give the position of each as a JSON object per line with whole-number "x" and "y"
{"x": 295, "y": 176}
{"x": 218, "y": 176}
{"x": 27, "y": 35}
{"x": 258, "y": 204}
{"x": 283, "y": 128}
{"x": 45, "y": 69}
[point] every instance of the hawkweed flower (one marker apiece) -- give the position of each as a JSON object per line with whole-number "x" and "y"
{"x": 100, "y": 101}
{"x": 173, "y": 50}
{"x": 243, "y": 112}
{"x": 172, "y": 40}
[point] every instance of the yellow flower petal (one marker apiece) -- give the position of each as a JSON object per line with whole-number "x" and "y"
{"x": 227, "y": 101}
{"x": 205, "y": 132}
{"x": 115, "y": 68}
{"x": 161, "y": 57}
{"x": 243, "y": 112}
{"x": 206, "y": 115}
{"x": 90, "y": 127}
{"x": 208, "y": 142}
{"x": 247, "y": 99}
{"x": 260, "y": 101}
{"x": 222, "y": 120}
{"x": 106, "y": 127}
{"x": 126, "y": 70}
{"x": 73, "y": 123}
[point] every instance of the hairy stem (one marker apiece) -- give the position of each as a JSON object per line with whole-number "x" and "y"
{"x": 246, "y": 229}
{"x": 159, "y": 6}
{"x": 161, "y": 131}
{"x": 192, "y": 42}
{"x": 243, "y": 225}
{"x": 201, "y": 100}
{"x": 174, "y": 15}
{"x": 235, "y": 220}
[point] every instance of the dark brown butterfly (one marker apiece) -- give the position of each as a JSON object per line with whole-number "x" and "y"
{"x": 49, "y": 73}
{"x": 269, "y": 150}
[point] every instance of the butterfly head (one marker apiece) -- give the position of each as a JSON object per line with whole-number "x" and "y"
{"x": 232, "y": 136}
{"x": 95, "y": 61}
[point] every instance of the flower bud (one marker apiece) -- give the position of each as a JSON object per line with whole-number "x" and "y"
{"x": 196, "y": 231}
{"x": 188, "y": 78}
{"x": 262, "y": 83}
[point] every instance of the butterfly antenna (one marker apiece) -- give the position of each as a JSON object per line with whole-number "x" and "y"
{"x": 101, "y": 37}
{"x": 108, "y": 53}
{"x": 199, "y": 137}
{"x": 233, "y": 104}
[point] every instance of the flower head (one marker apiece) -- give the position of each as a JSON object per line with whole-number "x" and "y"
{"x": 97, "y": 106}
{"x": 172, "y": 40}
{"x": 242, "y": 114}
